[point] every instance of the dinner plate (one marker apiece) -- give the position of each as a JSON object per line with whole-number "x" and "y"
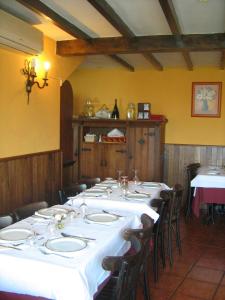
{"x": 65, "y": 244}
{"x": 94, "y": 193}
{"x": 150, "y": 184}
{"x": 51, "y": 211}
{"x": 110, "y": 182}
{"x": 101, "y": 217}
{"x": 137, "y": 196}
{"x": 15, "y": 234}
{"x": 213, "y": 172}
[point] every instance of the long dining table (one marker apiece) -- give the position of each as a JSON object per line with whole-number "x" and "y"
{"x": 209, "y": 187}
{"x": 36, "y": 264}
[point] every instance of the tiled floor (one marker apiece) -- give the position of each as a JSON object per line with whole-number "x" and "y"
{"x": 200, "y": 272}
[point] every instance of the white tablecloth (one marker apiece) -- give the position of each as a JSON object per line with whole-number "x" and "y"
{"x": 31, "y": 272}
{"x": 116, "y": 201}
{"x": 208, "y": 178}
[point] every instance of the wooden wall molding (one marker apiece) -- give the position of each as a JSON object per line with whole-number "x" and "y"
{"x": 29, "y": 178}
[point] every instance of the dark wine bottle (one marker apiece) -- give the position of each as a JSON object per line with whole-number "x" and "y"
{"x": 115, "y": 113}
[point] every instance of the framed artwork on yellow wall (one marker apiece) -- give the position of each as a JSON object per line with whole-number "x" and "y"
{"x": 206, "y": 99}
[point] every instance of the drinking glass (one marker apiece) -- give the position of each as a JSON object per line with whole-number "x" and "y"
{"x": 120, "y": 172}
{"x": 83, "y": 207}
{"x": 135, "y": 178}
{"x": 124, "y": 185}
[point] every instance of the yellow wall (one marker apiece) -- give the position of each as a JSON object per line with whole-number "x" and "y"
{"x": 168, "y": 91}
{"x": 35, "y": 127}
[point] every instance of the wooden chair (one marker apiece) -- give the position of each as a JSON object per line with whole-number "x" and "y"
{"x": 90, "y": 181}
{"x": 70, "y": 192}
{"x": 29, "y": 209}
{"x": 173, "y": 217}
{"x": 6, "y": 220}
{"x": 159, "y": 233}
{"x": 191, "y": 173}
{"x": 145, "y": 236}
{"x": 125, "y": 270}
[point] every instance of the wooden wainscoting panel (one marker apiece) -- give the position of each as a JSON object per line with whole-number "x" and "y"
{"x": 177, "y": 157}
{"x": 30, "y": 178}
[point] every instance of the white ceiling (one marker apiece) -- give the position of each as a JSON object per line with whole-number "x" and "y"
{"x": 143, "y": 17}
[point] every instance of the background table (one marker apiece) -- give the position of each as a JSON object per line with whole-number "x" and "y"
{"x": 210, "y": 188}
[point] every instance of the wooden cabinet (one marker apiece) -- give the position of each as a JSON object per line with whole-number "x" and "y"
{"x": 142, "y": 149}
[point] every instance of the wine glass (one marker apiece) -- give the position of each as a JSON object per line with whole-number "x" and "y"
{"x": 124, "y": 185}
{"x": 120, "y": 172}
{"x": 83, "y": 207}
{"x": 135, "y": 178}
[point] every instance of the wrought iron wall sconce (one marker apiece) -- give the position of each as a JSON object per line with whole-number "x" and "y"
{"x": 29, "y": 71}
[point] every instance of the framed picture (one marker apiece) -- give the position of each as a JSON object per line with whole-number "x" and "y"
{"x": 206, "y": 99}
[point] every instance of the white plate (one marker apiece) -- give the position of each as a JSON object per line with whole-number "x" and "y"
{"x": 15, "y": 234}
{"x": 137, "y": 196}
{"x": 151, "y": 184}
{"x": 94, "y": 191}
{"x": 51, "y": 211}
{"x": 65, "y": 244}
{"x": 105, "y": 184}
{"x": 110, "y": 182}
{"x": 213, "y": 173}
{"x": 101, "y": 218}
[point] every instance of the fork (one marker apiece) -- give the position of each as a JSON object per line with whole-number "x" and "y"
{"x": 48, "y": 253}
{"x": 107, "y": 212}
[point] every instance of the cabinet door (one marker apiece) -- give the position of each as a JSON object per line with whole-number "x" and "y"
{"x": 143, "y": 153}
{"x": 115, "y": 158}
{"x": 90, "y": 160}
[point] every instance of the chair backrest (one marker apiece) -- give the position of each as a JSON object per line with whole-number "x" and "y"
{"x": 162, "y": 206}
{"x": 192, "y": 170}
{"x": 29, "y": 209}
{"x": 128, "y": 268}
{"x": 6, "y": 220}
{"x": 144, "y": 234}
{"x": 174, "y": 197}
{"x": 70, "y": 192}
{"x": 191, "y": 173}
{"x": 90, "y": 181}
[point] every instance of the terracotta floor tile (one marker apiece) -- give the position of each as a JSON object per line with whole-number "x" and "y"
{"x": 159, "y": 294}
{"x": 212, "y": 263}
{"x": 179, "y": 296}
{"x": 220, "y": 294}
{"x": 205, "y": 274}
{"x": 167, "y": 282}
{"x": 179, "y": 269}
{"x": 198, "y": 289}
{"x": 223, "y": 280}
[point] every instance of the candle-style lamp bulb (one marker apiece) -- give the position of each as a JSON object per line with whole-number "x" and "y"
{"x": 46, "y": 67}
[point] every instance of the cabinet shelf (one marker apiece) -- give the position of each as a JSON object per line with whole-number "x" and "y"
{"x": 101, "y": 143}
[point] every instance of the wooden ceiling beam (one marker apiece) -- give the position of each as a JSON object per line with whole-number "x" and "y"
{"x": 172, "y": 20}
{"x": 114, "y": 19}
{"x": 141, "y": 44}
{"x": 41, "y": 9}
{"x": 122, "y": 62}
{"x": 156, "y": 64}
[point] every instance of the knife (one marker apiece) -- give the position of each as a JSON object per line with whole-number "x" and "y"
{"x": 77, "y": 236}
{"x": 10, "y": 247}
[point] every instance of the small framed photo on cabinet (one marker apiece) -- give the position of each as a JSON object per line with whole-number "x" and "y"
{"x": 206, "y": 99}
